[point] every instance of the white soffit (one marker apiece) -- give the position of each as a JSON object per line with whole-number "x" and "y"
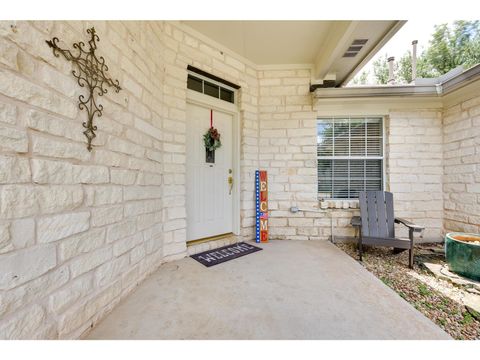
{"x": 268, "y": 42}
{"x": 320, "y": 44}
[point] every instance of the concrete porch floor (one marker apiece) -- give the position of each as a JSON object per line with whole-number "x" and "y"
{"x": 290, "y": 290}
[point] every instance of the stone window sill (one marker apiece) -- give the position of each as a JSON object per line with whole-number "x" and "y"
{"x": 338, "y": 204}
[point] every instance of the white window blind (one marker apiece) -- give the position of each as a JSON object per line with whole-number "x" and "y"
{"x": 350, "y": 156}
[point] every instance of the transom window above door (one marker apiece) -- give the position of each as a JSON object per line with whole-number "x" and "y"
{"x": 211, "y": 85}
{"x": 210, "y": 88}
{"x": 350, "y": 156}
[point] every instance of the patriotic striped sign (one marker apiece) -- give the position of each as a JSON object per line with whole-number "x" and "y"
{"x": 261, "y": 196}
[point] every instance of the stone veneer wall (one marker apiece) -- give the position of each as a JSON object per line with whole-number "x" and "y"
{"x": 461, "y": 179}
{"x": 79, "y": 230}
{"x": 414, "y": 168}
{"x": 287, "y": 150}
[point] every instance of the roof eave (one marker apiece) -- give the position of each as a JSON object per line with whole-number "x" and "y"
{"x": 445, "y": 88}
{"x": 390, "y": 33}
{"x": 376, "y": 91}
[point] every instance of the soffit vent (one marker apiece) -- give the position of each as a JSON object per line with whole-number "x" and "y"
{"x": 359, "y": 42}
{"x": 355, "y": 47}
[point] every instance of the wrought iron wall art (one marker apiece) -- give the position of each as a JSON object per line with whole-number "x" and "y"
{"x": 90, "y": 72}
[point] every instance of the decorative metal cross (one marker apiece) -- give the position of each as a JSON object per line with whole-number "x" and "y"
{"x": 90, "y": 72}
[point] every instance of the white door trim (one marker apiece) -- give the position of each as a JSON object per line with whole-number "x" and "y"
{"x": 196, "y": 98}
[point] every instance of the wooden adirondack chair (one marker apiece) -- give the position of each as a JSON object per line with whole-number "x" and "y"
{"x": 376, "y": 224}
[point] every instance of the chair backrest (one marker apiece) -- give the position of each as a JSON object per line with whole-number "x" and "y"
{"x": 376, "y": 210}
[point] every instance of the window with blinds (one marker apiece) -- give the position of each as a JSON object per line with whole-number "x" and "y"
{"x": 350, "y": 156}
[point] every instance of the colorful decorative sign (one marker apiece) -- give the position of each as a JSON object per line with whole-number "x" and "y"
{"x": 261, "y": 196}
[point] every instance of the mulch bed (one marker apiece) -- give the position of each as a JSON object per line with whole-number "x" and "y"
{"x": 393, "y": 270}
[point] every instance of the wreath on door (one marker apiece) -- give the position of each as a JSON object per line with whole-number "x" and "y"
{"x": 211, "y": 138}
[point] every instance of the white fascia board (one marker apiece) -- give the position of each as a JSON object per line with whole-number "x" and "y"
{"x": 369, "y": 106}
{"x": 376, "y": 91}
{"x": 462, "y": 79}
{"x": 438, "y": 90}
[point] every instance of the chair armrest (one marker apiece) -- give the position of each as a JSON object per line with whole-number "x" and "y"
{"x": 356, "y": 221}
{"x": 409, "y": 224}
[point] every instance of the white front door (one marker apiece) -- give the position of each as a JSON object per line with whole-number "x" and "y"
{"x": 209, "y": 199}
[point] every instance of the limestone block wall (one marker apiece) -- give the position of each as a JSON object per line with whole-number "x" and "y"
{"x": 79, "y": 230}
{"x": 414, "y": 168}
{"x": 461, "y": 179}
{"x": 287, "y": 150}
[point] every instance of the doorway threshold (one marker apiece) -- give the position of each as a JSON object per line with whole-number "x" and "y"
{"x": 210, "y": 238}
{"x": 200, "y": 245}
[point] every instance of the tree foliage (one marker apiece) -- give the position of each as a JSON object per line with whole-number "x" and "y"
{"x": 380, "y": 70}
{"x": 405, "y": 68}
{"x": 454, "y": 46}
{"x": 361, "y": 79}
{"x": 451, "y": 45}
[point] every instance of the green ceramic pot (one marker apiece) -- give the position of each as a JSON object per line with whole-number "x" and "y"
{"x": 463, "y": 257}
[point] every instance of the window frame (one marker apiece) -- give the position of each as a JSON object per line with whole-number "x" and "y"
{"x": 216, "y": 83}
{"x": 349, "y": 157}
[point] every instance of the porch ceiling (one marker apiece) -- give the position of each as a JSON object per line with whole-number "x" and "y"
{"x": 320, "y": 44}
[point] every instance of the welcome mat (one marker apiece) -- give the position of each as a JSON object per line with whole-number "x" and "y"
{"x": 225, "y": 253}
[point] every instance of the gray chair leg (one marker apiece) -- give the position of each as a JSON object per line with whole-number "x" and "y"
{"x": 360, "y": 247}
{"x": 410, "y": 252}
